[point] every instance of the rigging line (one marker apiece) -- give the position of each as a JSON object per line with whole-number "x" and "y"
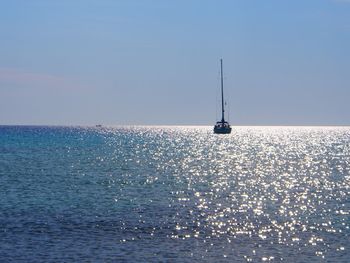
{"x": 228, "y": 112}
{"x": 216, "y": 105}
{"x": 228, "y": 103}
{"x": 217, "y": 92}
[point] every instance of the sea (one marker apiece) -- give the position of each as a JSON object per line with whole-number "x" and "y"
{"x": 174, "y": 194}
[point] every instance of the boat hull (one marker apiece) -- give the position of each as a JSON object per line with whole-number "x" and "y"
{"x": 222, "y": 130}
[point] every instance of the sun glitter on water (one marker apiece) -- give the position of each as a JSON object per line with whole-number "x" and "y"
{"x": 176, "y": 193}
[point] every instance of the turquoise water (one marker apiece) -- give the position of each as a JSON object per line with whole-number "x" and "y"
{"x": 174, "y": 194}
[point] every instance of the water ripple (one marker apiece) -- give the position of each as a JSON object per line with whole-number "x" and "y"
{"x": 175, "y": 194}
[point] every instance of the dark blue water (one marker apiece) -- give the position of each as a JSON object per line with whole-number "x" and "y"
{"x": 174, "y": 194}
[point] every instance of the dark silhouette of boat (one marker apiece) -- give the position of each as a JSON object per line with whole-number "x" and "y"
{"x": 222, "y": 127}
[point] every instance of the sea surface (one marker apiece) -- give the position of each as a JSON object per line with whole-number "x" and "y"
{"x": 174, "y": 194}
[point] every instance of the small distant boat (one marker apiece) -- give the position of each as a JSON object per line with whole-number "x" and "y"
{"x": 222, "y": 127}
{"x": 98, "y": 126}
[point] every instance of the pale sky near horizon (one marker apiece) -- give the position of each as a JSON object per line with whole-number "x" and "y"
{"x": 87, "y": 62}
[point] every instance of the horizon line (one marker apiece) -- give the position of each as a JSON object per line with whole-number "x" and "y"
{"x": 174, "y": 125}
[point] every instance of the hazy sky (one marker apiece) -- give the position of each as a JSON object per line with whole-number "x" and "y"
{"x": 157, "y": 61}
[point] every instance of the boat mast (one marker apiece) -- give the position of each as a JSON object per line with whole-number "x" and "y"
{"x": 222, "y": 94}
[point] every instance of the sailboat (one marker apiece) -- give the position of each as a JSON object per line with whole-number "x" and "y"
{"x": 222, "y": 127}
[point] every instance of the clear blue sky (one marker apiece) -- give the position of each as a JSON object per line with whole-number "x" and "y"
{"x": 157, "y": 61}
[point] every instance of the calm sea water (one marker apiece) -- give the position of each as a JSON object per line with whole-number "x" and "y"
{"x": 174, "y": 194}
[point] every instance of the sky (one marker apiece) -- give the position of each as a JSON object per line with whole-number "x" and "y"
{"x": 156, "y": 62}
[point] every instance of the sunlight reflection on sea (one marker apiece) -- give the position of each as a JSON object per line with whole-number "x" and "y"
{"x": 182, "y": 193}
